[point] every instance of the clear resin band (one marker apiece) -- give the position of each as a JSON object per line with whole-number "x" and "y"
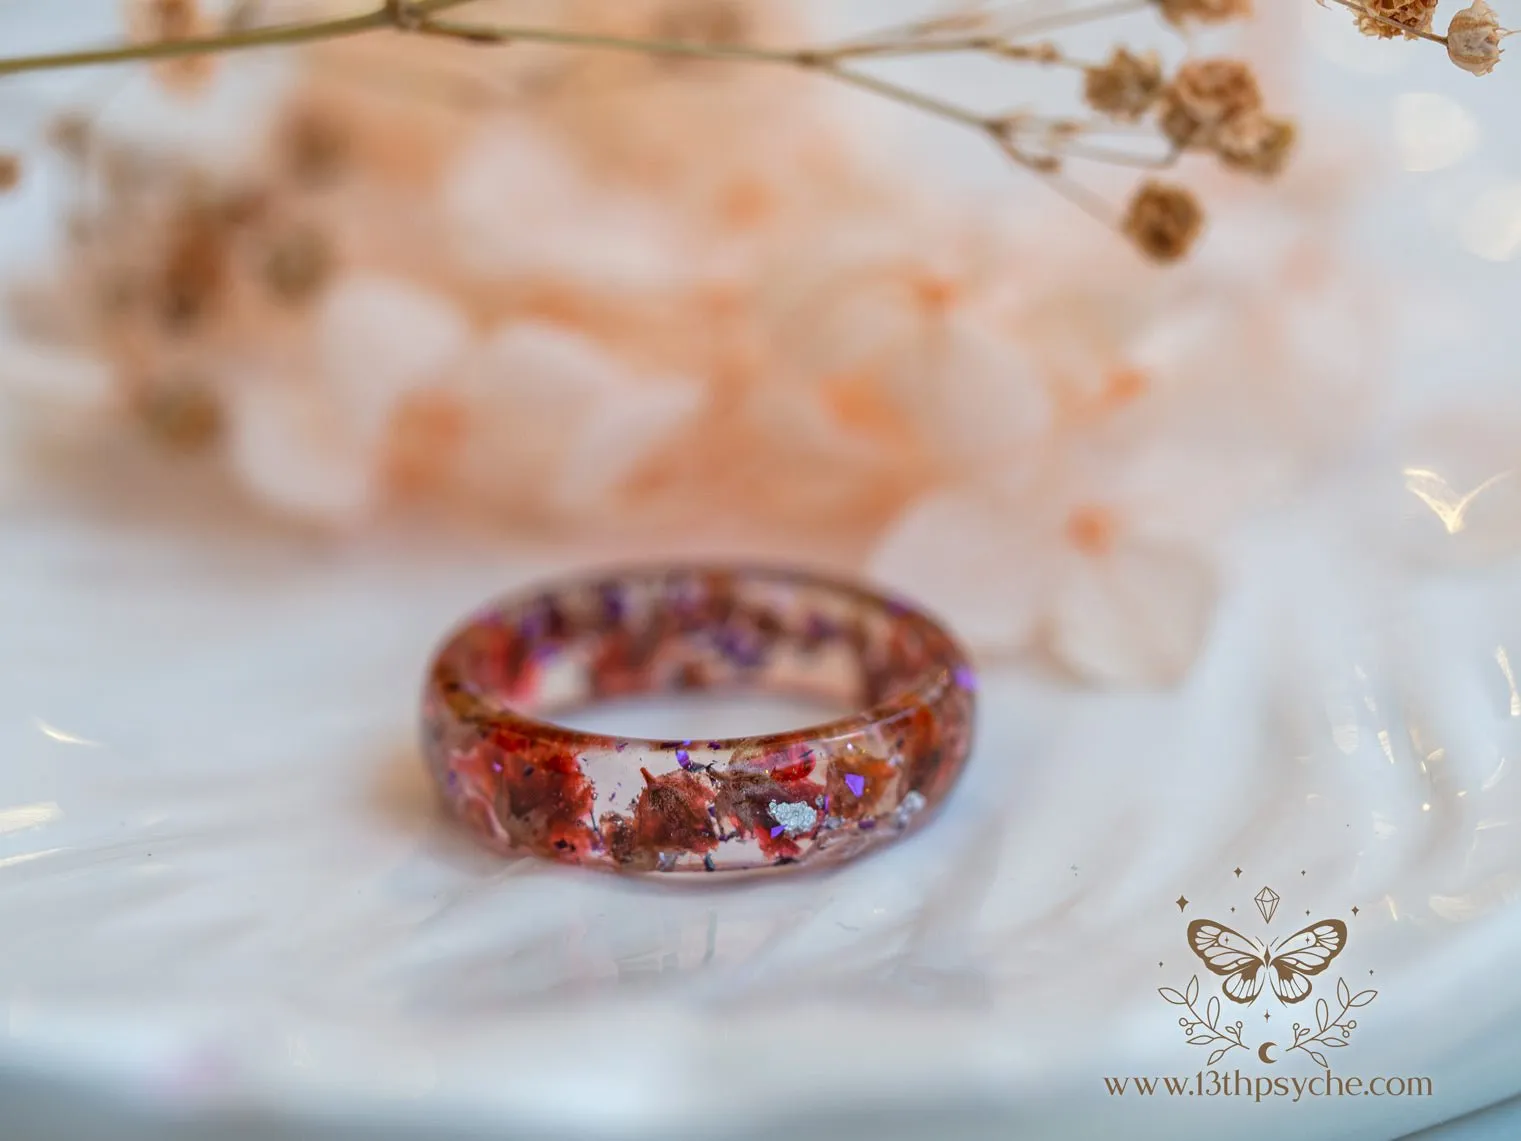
{"x": 812, "y": 795}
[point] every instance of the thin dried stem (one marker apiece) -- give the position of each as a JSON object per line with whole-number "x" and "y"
{"x": 1078, "y": 149}
{"x": 1363, "y": 10}
{"x": 425, "y": 17}
{"x": 1062, "y": 20}
{"x": 389, "y": 15}
{"x": 1080, "y": 196}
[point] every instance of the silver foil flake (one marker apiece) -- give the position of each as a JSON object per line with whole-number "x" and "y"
{"x": 794, "y": 818}
{"x": 910, "y": 807}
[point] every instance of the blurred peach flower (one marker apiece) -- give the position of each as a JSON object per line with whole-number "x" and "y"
{"x": 149, "y": 21}
{"x": 1106, "y": 578}
{"x": 308, "y": 423}
{"x": 594, "y": 291}
{"x": 518, "y": 203}
{"x": 563, "y": 424}
{"x": 1183, "y": 404}
{"x": 902, "y": 336}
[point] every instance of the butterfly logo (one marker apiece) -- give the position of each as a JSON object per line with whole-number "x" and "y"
{"x": 1246, "y": 962}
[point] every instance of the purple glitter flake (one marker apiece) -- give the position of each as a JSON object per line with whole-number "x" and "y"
{"x": 715, "y": 745}
{"x": 683, "y": 759}
{"x": 745, "y": 651}
{"x": 868, "y": 824}
{"x": 819, "y": 627}
{"x": 965, "y": 678}
{"x": 778, "y": 830}
{"x": 612, "y": 602}
{"x": 856, "y": 783}
{"x": 496, "y": 766}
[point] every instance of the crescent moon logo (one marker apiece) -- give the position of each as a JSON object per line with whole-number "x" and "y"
{"x": 1262, "y": 1052}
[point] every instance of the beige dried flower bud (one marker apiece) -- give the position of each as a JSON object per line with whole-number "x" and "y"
{"x": 1379, "y": 17}
{"x": 1126, "y": 86}
{"x": 71, "y": 134}
{"x": 702, "y": 22}
{"x": 1204, "y": 11}
{"x": 10, "y": 171}
{"x": 167, "y": 21}
{"x": 195, "y": 268}
{"x": 182, "y": 413}
{"x": 1163, "y": 220}
{"x": 1256, "y": 143}
{"x": 298, "y": 264}
{"x": 316, "y": 144}
{"x": 1042, "y": 51}
{"x": 1204, "y": 94}
{"x": 1473, "y": 39}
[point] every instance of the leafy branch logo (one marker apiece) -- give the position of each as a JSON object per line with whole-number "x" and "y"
{"x": 1205, "y": 1029}
{"x": 1281, "y": 972}
{"x": 1331, "y": 1033}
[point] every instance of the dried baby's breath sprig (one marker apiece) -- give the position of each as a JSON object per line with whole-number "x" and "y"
{"x": 1203, "y": 97}
{"x": 1126, "y": 87}
{"x": 1164, "y": 220}
{"x": 1212, "y": 106}
{"x": 1473, "y": 38}
{"x": 1386, "y": 19}
{"x": 1215, "y": 106}
{"x": 1256, "y": 143}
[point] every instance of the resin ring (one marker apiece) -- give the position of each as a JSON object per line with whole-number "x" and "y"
{"x": 812, "y": 795}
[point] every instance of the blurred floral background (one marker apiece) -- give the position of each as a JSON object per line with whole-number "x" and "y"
{"x": 553, "y": 292}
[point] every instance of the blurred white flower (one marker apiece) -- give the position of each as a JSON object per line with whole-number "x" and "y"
{"x": 558, "y": 425}
{"x": 309, "y": 429}
{"x": 902, "y": 340}
{"x": 518, "y": 204}
{"x": 1107, "y": 567}
{"x": 1183, "y": 402}
{"x": 652, "y": 291}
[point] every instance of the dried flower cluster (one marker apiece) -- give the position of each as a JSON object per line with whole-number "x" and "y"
{"x": 651, "y": 292}
{"x": 1473, "y": 38}
{"x": 181, "y": 41}
{"x": 1389, "y": 18}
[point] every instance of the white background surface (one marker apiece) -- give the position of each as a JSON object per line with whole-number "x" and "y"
{"x": 228, "y": 908}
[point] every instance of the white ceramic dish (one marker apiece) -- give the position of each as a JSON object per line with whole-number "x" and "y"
{"x": 228, "y": 908}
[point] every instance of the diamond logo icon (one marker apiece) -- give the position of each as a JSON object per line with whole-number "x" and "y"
{"x": 1267, "y": 903}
